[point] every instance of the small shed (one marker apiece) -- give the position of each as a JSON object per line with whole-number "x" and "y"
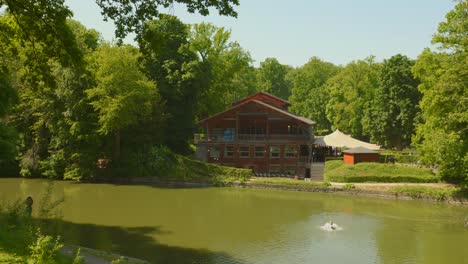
{"x": 360, "y": 154}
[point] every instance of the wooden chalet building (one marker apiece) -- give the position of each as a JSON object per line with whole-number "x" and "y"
{"x": 258, "y": 132}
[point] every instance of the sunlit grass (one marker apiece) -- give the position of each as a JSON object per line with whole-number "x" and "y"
{"x": 338, "y": 171}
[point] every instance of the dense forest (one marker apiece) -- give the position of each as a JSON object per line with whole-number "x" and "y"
{"x": 69, "y": 98}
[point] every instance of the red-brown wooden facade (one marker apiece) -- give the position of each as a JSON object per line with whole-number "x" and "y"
{"x": 258, "y": 133}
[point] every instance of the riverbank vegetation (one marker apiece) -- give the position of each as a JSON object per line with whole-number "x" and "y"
{"x": 161, "y": 162}
{"x": 70, "y": 99}
{"x": 338, "y": 171}
{"x": 21, "y": 236}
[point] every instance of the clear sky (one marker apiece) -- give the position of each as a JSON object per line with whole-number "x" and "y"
{"x": 337, "y": 31}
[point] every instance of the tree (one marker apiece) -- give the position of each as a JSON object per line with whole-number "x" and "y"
{"x": 226, "y": 67}
{"x": 308, "y": 94}
{"x": 392, "y": 114}
{"x": 52, "y": 114}
{"x": 271, "y": 78}
{"x": 442, "y": 135}
{"x": 351, "y": 93}
{"x": 130, "y": 16}
{"x": 169, "y": 61}
{"x": 123, "y": 95}
{"x": 8, "y": 98}
{"x": 45, "y": 20}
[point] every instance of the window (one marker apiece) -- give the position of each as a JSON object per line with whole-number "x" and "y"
{"x": 228, "y": 134}
{"x": 274, "y": 152}
{"x": 229, "y": 151}
{"x": 290, "y": 151}
{"x": 259, "y": 152}
{"x": 244, "y": 152}
{"x": 214, "y": 152}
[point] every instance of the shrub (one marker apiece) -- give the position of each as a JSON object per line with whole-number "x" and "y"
{"x": 349, "y": 186}
{"x": 44, "y": 250}
{"x": 78, "y": 258}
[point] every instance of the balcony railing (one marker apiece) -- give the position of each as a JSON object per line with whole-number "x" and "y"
{"x": 250, "y": 137}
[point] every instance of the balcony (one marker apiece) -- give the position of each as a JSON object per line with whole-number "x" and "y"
{"x": 203, "y": 138}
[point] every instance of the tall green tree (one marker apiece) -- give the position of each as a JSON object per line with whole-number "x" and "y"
{"x": 122, "y": 95}
{"x": 8, "y": 98}
{"x": 351, "y": 93}
{"x": 393, "y": 113}
{"x": 309, "y": 96}
{"x": 442, "y": 136}
{"x": 271, "y": 78}
{"x": 177, "y": 71}
{"x": 226, "y": 67}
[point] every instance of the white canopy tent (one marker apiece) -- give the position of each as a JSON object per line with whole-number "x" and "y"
{"x": 340, "y": 140}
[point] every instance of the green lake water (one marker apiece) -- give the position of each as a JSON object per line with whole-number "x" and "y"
{"x": 230, "y": 225}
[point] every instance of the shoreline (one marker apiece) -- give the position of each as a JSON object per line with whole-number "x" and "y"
{"x": 370, "y": 190}
{"x": 355, "y": 192}
{"x": 338, "y": 188}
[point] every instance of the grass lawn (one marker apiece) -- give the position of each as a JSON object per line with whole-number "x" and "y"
{"x": 440, "y": 194}
{"x": 338, "y": 171}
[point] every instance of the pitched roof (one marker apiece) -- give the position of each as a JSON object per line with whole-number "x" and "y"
{"x": 281, "y": 111}
{"x": 360, "y": 150}
{"x": 341, "y": 140}
{"x": 248, "y": 98}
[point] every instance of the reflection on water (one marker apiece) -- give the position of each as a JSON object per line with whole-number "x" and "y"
{"x": 224, "y": 225}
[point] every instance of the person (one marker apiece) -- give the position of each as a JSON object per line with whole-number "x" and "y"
{"x": 29, "y": 203}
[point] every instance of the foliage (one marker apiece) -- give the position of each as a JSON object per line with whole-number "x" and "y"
{"x": 129, "y": 16}
{"x": 424, "y": 192}
{"x": 163, "y": 163}
{"x": 123, "y": 96}
{"x": 351, "y": 94}
{"x": 271, "y": 78}
{"x": 349, "y": 186}
{"x": 175, "y": 68}
{"x": 78, "y": 259}
{"x": 226, "y": 68}
{"x": 20, "y": 235}
{"x": 42, "y": 25}
{"x": 393, "y": 112}
{"x": 337, "y": 171}
{"x": 44, "y": 249}
{"x": 442, "y": 135}
{"x": 308, "y": 92}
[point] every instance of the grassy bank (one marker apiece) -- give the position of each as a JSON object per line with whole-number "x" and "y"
{"x": 455, "y": 194}
{"x": 424, "y": 192}
{"x": 337, "y": 171}
{"x": 163, "y": 163}
{"x": 188, "y": 169}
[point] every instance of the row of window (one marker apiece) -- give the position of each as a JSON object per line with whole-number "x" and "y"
{"x": 259, "y": 152}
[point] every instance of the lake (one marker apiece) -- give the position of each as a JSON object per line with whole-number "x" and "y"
{"x": 232, "y": 225}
